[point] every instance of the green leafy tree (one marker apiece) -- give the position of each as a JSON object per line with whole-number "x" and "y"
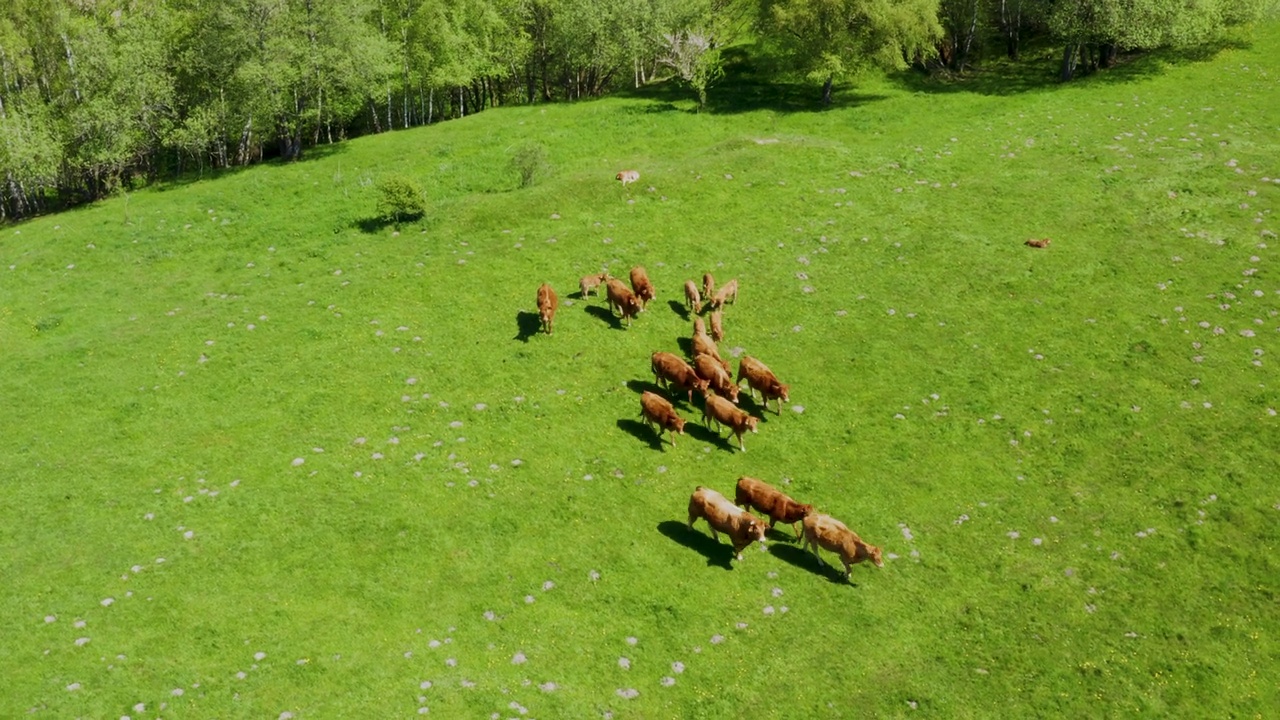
{"x": 1093, "y": 31}
{"x": 695, "y": 61}
{"x": 830, "y": 40}
{"x": 531, "y": 163}
{"x": 400, "y": 197}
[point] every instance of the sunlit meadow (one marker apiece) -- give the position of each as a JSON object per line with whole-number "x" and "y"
{"x": 265, "y": 457}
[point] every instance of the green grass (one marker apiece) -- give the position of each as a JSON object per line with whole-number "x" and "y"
{"x": 1009, "y": 423}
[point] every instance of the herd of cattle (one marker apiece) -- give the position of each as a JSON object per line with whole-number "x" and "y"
{"x": 743, "y": 528}
{"x": 710, "y": 375}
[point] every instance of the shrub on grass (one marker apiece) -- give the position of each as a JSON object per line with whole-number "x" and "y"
{"x": 530, "y": 161}
{"x": 400, "y": 198}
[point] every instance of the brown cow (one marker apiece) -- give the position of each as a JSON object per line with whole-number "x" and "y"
{"x": 658, "y": 412}
{"x": 628, "y": 176}
{"x": 547, "y": 304}
{"x": 640, "y": 283}
{"x": 591, "y": 283}
{"x": 718, "y": 379}
{"x": 704, "y": 345}
{"x": 1039, "y": 242}
{"x": 717, "y": 326}
{"x": 723, "y": 412}
{"x": 831, "y": 534}
{"x": 676, "y": 372}
{"x": 699, "y": 327}
{"x": 754, "y": 494}
{"x": 760, "y": 377}
{"x": 692, "y": 297}
{"x": 708, "y": 286}
{"x": 729, "y": 290}
{"x": 742, "y": 527}
{"x": 622, "y": 298}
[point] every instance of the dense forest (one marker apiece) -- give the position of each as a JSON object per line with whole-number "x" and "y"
{"x": 99, "y": 95}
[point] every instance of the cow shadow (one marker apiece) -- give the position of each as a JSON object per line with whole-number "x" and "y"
{"x": 782, "y": 533}
{"x": 640, "y": 387}
{"x": 641, "y": 431}
{"x": 707, "y": 435}
{"x": 755, "y": 408}
{"x": 797, "y": 556}
{"x": 679, "y": 308}
{"x": 604, "y": 314}
{"x": 718, "y": 554}
{"x": 686, "y": 345}
{"x": 528, "y": 324}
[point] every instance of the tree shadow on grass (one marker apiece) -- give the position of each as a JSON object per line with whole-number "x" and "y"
{"x": 717, "y": 553}
{"x": 797, "y": 556}
{"x": 528, "y": 324}
{"x": 1040, "y": 65}
{"x": 751, "y": 82}
{"x": 640, "y": 431}
{"x": 372, "y": 225}
{"x": 604, "y": 314}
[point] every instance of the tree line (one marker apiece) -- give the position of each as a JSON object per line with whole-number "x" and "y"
{"x": 99, "y": 95}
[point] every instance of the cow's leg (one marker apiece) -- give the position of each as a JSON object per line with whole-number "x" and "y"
{"x": 740, "y": 445}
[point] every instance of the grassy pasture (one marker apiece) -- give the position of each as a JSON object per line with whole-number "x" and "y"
{"x": 261, "y": 456}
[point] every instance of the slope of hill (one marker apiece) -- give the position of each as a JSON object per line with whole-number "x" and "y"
{"x": 264, "y": 457}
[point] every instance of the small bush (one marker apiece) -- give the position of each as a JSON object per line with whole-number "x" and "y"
{"x": 400, "y": 198}
{"x": 530, "y": 161}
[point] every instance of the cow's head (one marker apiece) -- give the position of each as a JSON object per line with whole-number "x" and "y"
{"x": 751, "y": 423}
{"x": 875, "y": 554}
{"x": 677, "y": 424}
{"x": 784, "y": 392}
{"x": 701, "y": 386}
{"x": 756, "y": 530}
{"x": 731, "y": 392}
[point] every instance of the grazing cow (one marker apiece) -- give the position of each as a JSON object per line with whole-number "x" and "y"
{"x": 547, "y": 304}
{"x": 658, "y": 412}
{"x": 628, "y": 176}
{"x": 704, "y": 345}
{"x": 640, "y": 283}
{"x": 723, "y": 412}
{"x": 717, "y": 326}
{"x": 760, "y": 377}
{"x": 831, "y": 534}
{"x": 699, "y": 327}
{"x": 708, "y": 286}
{"x": 1039, "y": 242}
{"x": 676, "y": 372}
{"x": 724, "y": 294}
{"x": 742, "y": 527}
{"x": 754, "y": 494}
{"x": 717, "y": 377}
{"x": 622, "y": 298}
{"x": 692, "y": 297}
{"x": 591, "y": 283}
